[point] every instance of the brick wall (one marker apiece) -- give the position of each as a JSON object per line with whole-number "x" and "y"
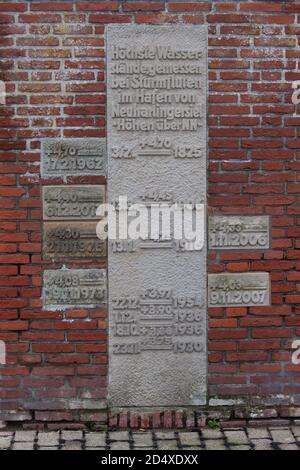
{"x": 52, "y": 58}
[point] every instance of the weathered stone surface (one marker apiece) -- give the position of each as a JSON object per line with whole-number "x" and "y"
{"x": 262, "y": 444}
{"x": 72, "y": 240}
{"x": 282, "y": 436}
{"x": 215, "y": 444}
{"x": 72, "y": 435}
{"x": 156, "y": 114}
{"x": 120, "y": 446}
{"x": 119, "y": 436}
{"x": 25, "y": 436}
{"x": 72, "y": 445}
{"x": 71, "y": 157}
{"x": 142, "y": 439}
{"x": 5, "y": 442}
{"x": 48, "y": 439}
{"x": 70, "y": 288}
{"x": 167, "y": 445}
{"x": 189, "y": 438}
{"x": 72, "y": 202}
{"x": 208, "y": 433}
{"x": 236, "y": 437}
{"x": 96, "y": 439}
{"x": 23, "y": 446}
{"x": 239, "y": 232}
{"x": 234, "y": 290}
{"x": 260, "y": 433}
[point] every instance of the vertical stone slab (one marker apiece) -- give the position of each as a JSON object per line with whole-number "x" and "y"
{"x": 156, "y": 117}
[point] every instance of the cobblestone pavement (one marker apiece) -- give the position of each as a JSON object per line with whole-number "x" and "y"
{"x": 205, "y": 439}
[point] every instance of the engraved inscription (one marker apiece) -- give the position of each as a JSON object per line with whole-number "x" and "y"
{"x": 71, "y": 157}
{"x": 131, "y": 246}
{"x": 72, "y": 202}
{"x": 239, "y": 232}
{"x": 74, "y": 288}
{"x": 157, "y": 148}
{"x": 72, "y": 240}
{"x": 158, "y": 88}
{"x": 238, "y": 290}
{"x": 158, "y": 319}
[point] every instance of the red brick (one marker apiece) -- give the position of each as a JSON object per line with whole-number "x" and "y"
{"x": 40, "y": 18}
{"x": 227, "y": 18}
{"x": 155, "y": 19}
{"x": 258, "y": 7}
{"x": 106, "y": 18}
{"x": 51, "y": 6}
{"x": 97, "y": 6}
{"x": 143, "y": 6}
{"x": 191, "y": 6}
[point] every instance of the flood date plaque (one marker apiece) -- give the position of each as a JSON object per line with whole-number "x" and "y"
{"x": 239, "y": 232}
{"x": 72, "y": 240}
{"x": 156, "y": 142}
{"x": 73, "y": 157}
{"x": 72, "y": 288}
{"x": 239, "y": 290}
{"x": 72, "y": 202}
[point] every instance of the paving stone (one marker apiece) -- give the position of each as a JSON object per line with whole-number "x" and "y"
{"x": 283, "y": 436}
{"x": 72, "y": 445}
{"x": 72, "y": 435}
{"x": 119, "y": 436}
{"x": 23, "y": 446}
{"x": 167, "y": 445}
{"x": 95, "y": 439}
{"x": 211, "y": 433}
{"x": 160, "y": 435}
{"x": 258, "y": 439}
{"x": 240, "y": 447}
{"x": 288, "y": 447}
{"x": 121, "y": 445}
{"x": 189, "y": 438}
{"x": 215, "y": 444}
{"x": 262, "y": 444}
{"x": 258, "y": 433}
{"x": 142, "y": 439}
{"x": 296, "y": 430}
{"x": 5, "y": 442}
{"x": 236, "y": 437}
{"x": 24, "y": 436}
{"x": 48, "y": 439}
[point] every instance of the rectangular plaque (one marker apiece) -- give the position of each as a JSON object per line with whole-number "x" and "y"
{"x": 72, "y": 202}
{"x": 72, "y": 157}
{"x": 72, "y": 288}
{"x": 72, "y": 240}
{"x": 239, "y": 290}
{"x": 156, "y": 118}
{"x": 239, "y": 232}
